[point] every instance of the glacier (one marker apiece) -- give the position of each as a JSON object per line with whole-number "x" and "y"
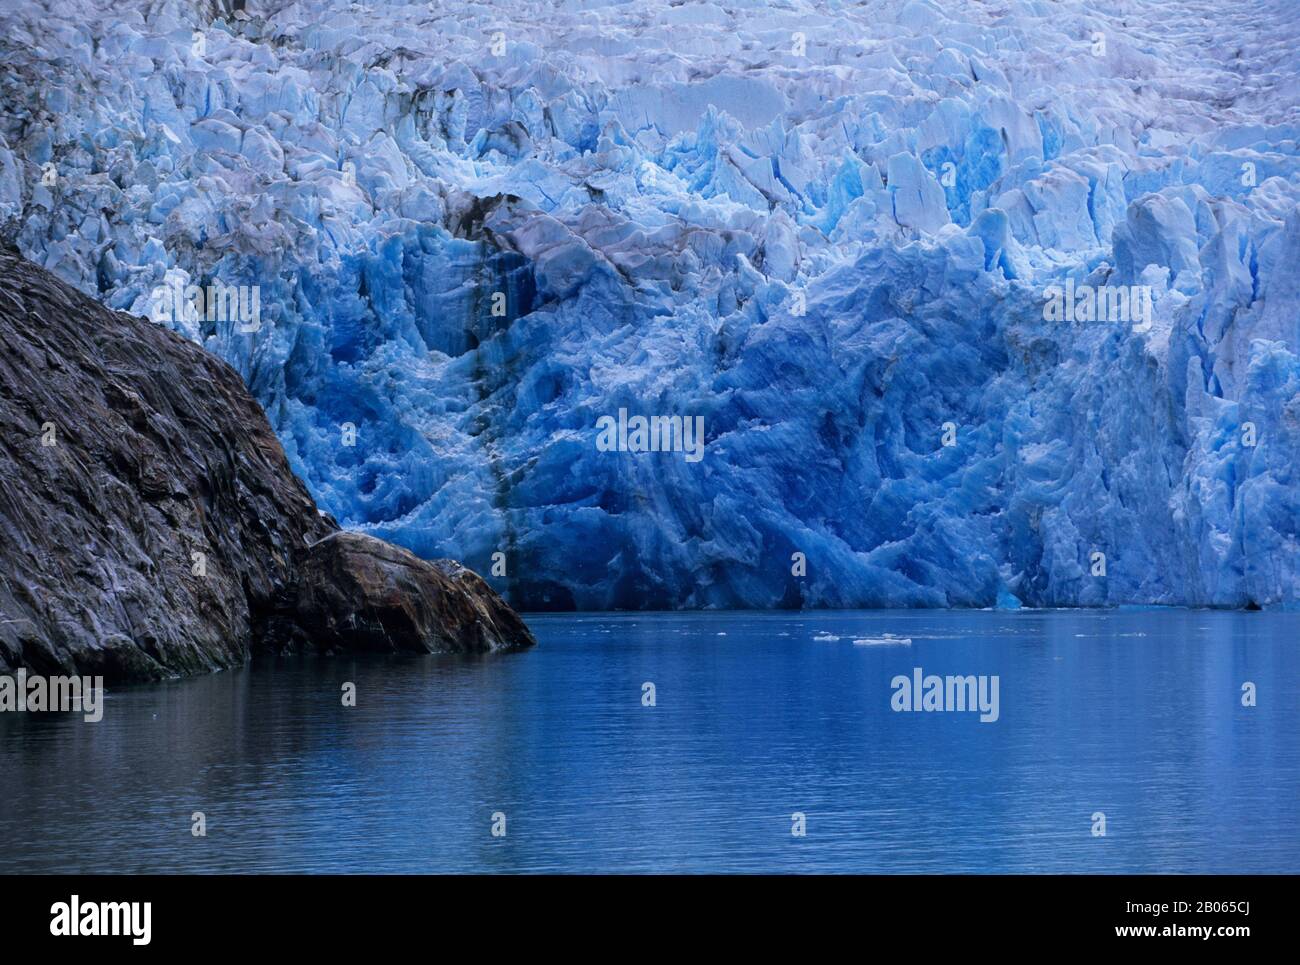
{"x": 827, "y": 229}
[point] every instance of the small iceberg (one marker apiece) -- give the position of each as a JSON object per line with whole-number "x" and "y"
{"x": 886, "y": 640}
{"x": 826, "y": 636}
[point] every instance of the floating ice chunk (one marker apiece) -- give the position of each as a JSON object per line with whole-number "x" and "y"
{"x": 887, "y": 640}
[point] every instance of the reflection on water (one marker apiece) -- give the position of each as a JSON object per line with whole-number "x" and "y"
{"x": 1134, "y": 714}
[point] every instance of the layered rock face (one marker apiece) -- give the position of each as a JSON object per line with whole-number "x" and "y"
{"x": 829, "y": 231}
{"x": 150, "y": 524}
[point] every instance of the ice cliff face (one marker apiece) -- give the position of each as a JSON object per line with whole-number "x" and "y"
{"x": 868, "y": 245}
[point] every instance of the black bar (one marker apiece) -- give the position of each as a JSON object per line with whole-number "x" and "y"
{"x": 329, "y": 915}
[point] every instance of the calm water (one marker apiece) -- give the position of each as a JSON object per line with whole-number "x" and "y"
{"x": 1134, "y": 714}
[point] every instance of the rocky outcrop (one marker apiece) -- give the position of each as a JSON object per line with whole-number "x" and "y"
{"x": 361, "y": 593}
{"x": 150, "y": 525}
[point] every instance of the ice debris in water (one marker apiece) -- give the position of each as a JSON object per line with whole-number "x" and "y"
{"x": 888, "y": 640}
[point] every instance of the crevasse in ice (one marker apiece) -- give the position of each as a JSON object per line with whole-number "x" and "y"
{"x": 829, "y": 230}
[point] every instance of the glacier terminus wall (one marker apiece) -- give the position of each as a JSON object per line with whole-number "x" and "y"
{"x": 717, "y": 304}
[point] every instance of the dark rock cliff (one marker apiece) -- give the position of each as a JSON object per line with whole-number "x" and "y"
{"x": 150, "y": 524}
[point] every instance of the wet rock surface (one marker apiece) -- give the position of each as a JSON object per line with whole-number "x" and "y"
{"x": 150, "y": 524}
{"x": 358, "y": 592}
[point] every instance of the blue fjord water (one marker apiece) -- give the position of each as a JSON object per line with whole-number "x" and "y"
{"x": 1136, "y": 714}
